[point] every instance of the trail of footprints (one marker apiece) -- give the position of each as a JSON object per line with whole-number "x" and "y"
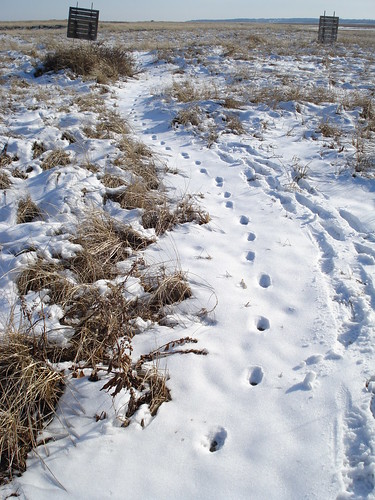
{"x": 255, "y": 374}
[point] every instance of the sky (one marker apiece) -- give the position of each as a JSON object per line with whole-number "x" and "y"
{"x": 177, "y": 10}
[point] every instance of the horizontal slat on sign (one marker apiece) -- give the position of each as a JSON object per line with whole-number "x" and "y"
{"x": 83, "y": 18}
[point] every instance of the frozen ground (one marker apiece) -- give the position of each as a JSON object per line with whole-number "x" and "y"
{"x": 283, "y": 405}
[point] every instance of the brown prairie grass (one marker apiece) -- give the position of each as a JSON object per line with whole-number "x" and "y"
{"x": 5, "y": 181}
{"x": 90, "y": 102}
{"x": 104, "y": 242}
{"x": 234, "y": 125}
{"x": 138, "y": 159}
{"x": 163, "y": 218}
{"x": 38, "y": 149}
{"x": 187, "y": 91}
{"x": 5, "y": 159}
{"x": 166, "y": 289}
{"x": 232, "y": 103}
{"x": 27, "y": 211}
{"x": 93, "y": 61}
{"x": 112, "y": 123}
{"x": 136, "y": 195}
{"x": 30, "y": 390}
{"x": 192, "y": 115}
{"x": 41, "y": 274}
{"x": 327, "y": 129}
{"x": 55, "y": 158}
{"x": 112, "y": 181}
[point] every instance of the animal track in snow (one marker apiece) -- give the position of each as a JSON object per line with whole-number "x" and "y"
{"x": 251, "y": 237}
{"x": 162, "y": 143}
{"x": 265, "y": 281}
{"x": 250, "y": 256}
{"x": 219, "y": 181}
{"x": 203, "y": 171}
{"x": 198, "y": 162}
{"x": 255, "y": 375}
{"x": 244, "y": 220}
{"x": 227, "y": 194}
{"x": 154, "y": 137}
{"x": 216, "y": 439}
{"x": 168, "y": 148}
{"x": 185, "y": 155}
{"x": 263, "y": 324}
{"x": 229, "y": 204}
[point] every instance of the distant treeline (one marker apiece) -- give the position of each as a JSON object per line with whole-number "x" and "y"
{"x": 289, "y": 20}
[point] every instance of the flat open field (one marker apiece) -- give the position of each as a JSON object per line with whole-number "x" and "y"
{"x": 187, "y": 262}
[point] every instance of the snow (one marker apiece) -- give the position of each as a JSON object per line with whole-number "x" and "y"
{"x": 284, "y": 273}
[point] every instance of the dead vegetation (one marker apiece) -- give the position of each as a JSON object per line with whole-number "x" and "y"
{"x": 38, "y": 149}
{"x": 104, "y": 244}
{"x": 93, "y": 61}
{"x": 5, "y": 181}
{"x": 27, "y": 211}
{"x": 103, "y": 322}
{"x": 55, "y": 158}
{"x": 30, "y": 390}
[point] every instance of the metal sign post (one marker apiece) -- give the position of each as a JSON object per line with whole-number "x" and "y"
{"x": 83, "y": 23}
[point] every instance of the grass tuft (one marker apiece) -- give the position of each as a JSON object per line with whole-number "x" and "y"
{"x": 27, "y": 211}
{"x": 94, "y": 60}
{"x": 104, "y": 242}
{"x": 30, "y": 390}
{"x": 55, "y": 158}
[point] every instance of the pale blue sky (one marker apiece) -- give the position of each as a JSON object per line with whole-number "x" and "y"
{"x": 177, "y": 10}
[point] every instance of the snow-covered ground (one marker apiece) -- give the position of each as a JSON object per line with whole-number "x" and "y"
{"x": 283, "y": 277}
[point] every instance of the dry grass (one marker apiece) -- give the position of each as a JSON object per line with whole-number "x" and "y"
{"x": 166, "y": 289}
{"x": 5, "y": 159}
{"x": 30, "y": 390}
{"x": 104, "y": 242}
{"x": 93, "y": 61}
{"x": 162, "y": 218}
{"x": 328, "y": 129}
{"x": 232, "y": 103}
{"x": 90, "y": 102}
{"x": 38, "y": 149}
{"x": 55, "y": 158}
{"x": 68, "y": 136}
{"x": 5, "y": 181}
{"x": 192, "y": 115}
{"x": 27, "y": 211}
{"x": 138, "y": 159}
{"x": 137, "y": 195}
{"x": 364, "y": 158}
{"x": 100, "y": 321}
{"x": 188, "y": 91}
{"x": 40, "y": 275}
{"x": 112, "y": 181}
{"x": 234, "y": 125}
{"x": 112, "y": 123}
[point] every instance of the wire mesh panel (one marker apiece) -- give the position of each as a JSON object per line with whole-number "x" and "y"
{"x": 328, "y": 28}
{"x": 83, "y": 23}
